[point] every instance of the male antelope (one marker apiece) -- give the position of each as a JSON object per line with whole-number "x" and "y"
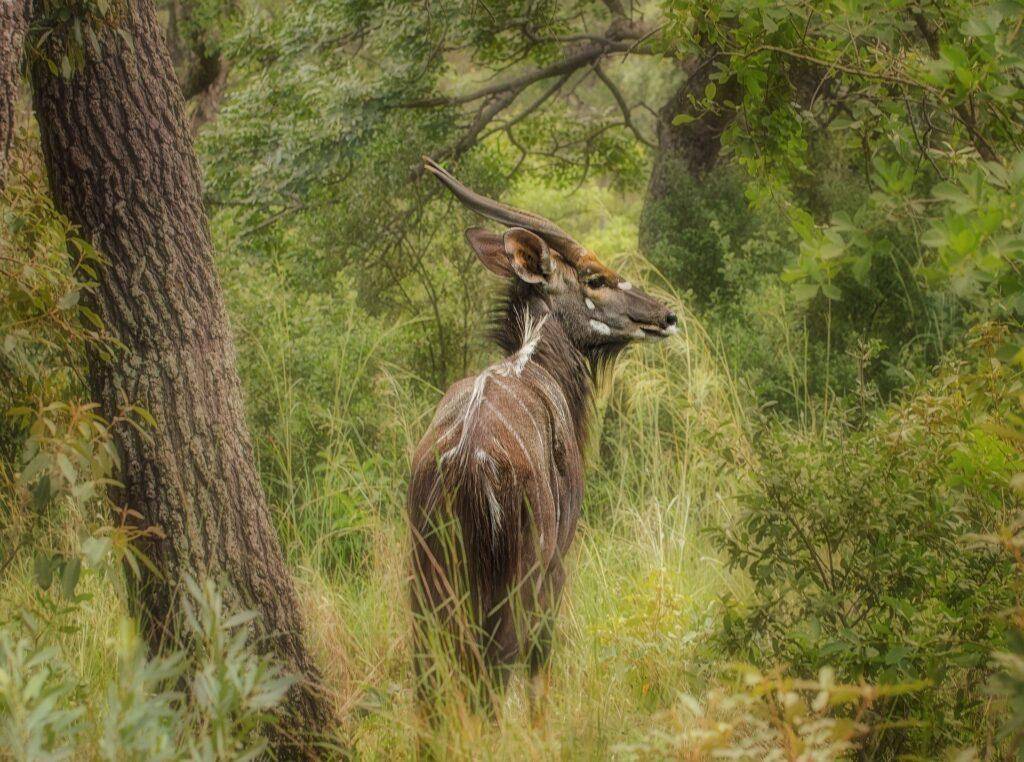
{"x": 501, "y": 462}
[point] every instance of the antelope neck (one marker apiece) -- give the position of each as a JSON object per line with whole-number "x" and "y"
{"x": 553, "y": 351}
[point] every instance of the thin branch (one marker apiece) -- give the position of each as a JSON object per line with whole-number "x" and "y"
{"x": 483, "y": 118}
{"x": 894, "y": 78}
{"x": 506, "y": 127}
{"x": 623, "y": 106}
{"x": 964, "y": 114}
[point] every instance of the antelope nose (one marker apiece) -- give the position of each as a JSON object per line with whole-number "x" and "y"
{"x": 670, "y": 320}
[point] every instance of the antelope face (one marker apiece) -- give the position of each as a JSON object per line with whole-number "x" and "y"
{"x": 596, "y": 306}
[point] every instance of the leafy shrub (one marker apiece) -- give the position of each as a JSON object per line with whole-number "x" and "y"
{"x": 687, "y": 234}
{"x": 223, "y": 712}
{"x": 143, "y": 703}
{"x": 765, "y": 717}
{"x": 36, "y": 722}
{"x": 854, "y": 541}
{"x": 234, "y": 690}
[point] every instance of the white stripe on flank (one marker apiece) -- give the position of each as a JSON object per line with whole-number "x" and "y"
{"x": 475, "y": 399}
{"x": 521, "y": 404}
{"x": 549, "y": 388}
{"x": 487, "y": 464}
{"x": 494, "y": 506}
{"x": 625, "y": 285}
{"x": 512, "y": 430}
{"x": 602, "y": 328}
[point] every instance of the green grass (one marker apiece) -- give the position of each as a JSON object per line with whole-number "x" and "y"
{"x": 667, "y": 434}
{"x": 641, "y": 591}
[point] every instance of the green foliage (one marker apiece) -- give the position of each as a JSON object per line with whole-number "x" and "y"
{"x": 766, "y": 717}
{"x": 978, "y": 238}
{"x": 882, "y": 136}
{"x": 35, "y": 721}
{"x": 44, "y": 321}
{"x": 143, "y": 704}
{"x": 233, "y": 690}
{"x": 855, "y": 541}
{"x": 694, "y": 226}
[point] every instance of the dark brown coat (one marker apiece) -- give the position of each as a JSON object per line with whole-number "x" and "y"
{"x": 497, "y": 480}
{"x": 501, "y": 464}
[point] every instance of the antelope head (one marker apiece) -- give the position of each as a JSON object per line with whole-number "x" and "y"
{"x": 596, "y": 306}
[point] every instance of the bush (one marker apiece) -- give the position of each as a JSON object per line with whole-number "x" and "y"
{"x": 215, "y": 703}
{"x": 765, "y": 718}
{"x": 854, "y": 541}
{"x": 688, "y": 233}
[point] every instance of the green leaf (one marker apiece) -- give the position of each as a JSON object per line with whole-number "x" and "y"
{"x": 804, "y": 292}
{"x": 860, "y": 268}
{"x": 69, "y": 578}
{"x": 69, "y": 300}
{"x": 936, "y": 238}
{"x": 66, "y": 469}
{"x": 43, "y": 568}
{"x": 831, "y": 292}
{"x": 42, "y": 493}
{"x": 145, "y": 415}
{"x": 94, "y": 549}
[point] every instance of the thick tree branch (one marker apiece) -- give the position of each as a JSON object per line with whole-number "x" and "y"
{"x": 619, "y": 39}
{"x": 204, "y": 88}
{"x": 204, "y": 80}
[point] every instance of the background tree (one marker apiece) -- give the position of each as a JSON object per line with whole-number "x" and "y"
{"x": 194, "y": 31}
{"x": 13, "y": 24}
{"x": 122, "y": 168}
{"x": 355, "y": 79}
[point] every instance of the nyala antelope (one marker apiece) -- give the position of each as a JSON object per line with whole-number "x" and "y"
{"x": 497, "y": 480}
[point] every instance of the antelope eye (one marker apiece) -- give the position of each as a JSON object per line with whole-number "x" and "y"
{"x": 594, "y": 281}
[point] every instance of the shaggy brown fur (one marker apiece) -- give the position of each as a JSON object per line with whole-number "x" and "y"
{"x": 497, "y": 480}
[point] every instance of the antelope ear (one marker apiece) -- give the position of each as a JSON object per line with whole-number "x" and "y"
{"x": 490, "y": 250}
{"x": 528, "y": 255}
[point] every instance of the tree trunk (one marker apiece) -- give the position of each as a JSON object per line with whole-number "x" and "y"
{"x": 693, "y": 145}
{"x": 695, "y": 200}
{"x": 675, "y": 231}
{"x": 13, "y": 24}
{"x": 122, "y": 167}
{"x": 204, "y": 76}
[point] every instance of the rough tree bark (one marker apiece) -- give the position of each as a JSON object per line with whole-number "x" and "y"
{"x": 690, "y": 147}
{"x": 121, "y": 166}
{"x": 14, "y": 17}
{"x": 675, "y": 230}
